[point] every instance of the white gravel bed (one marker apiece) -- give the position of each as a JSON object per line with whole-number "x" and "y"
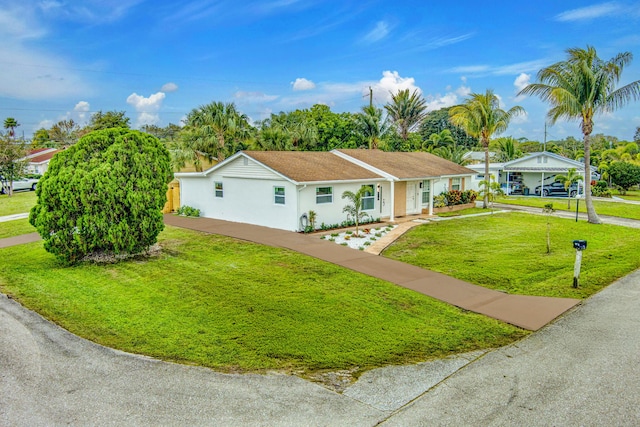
{"x": 368, "y": 234}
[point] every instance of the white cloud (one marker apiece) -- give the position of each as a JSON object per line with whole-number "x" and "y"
{"x": 19, "y": 23}
{"x": 470, "y": 69}
{"x": 437, "y": 102}
{"x": 450, "y": 98}
{"x": 501, "y": 70}
{"x": 522, "y": 81}
{"x": 303, "y": 84}
{"x": 169, "y": 87}
{"x": 463, "y": 90}
{"x": 391, "y": 82}
{"x": 254, "y": 96}
{"x": 27, "y": 72}
{"x": 37, "y": 76}
{"x": 379, "y": 32}
{"x": 44, "y": 124}
{"x": 82, "y": 108}
{"x": 86, "y": 12}
{"x": 590, "y": 12}
{"x": 147, "y": 108}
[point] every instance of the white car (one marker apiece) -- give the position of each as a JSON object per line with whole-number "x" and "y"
{"x": 20, "y": 184}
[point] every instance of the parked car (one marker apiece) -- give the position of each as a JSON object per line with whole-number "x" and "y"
{"x": 556, "y": 189}
{"x": 19, "y": 184}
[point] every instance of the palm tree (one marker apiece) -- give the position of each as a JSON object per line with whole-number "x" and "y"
{"x": 300, "y": 129}
{"x": 272, "y": 139}
{"x": 481, "y": 117}
{"x": 11, "y": 124}
{"x": 442, "y": 138}
{"x": 568, "y": 180}
{"x": 406, "y": 111}
{"x": 371, "y": 125}
{"x": 508, "y": 150}
{"x": 580, "y": 88}
{"x": 216, "y": 128}
{"x": 453, "y": 153}
{"x": 354, "y": 208}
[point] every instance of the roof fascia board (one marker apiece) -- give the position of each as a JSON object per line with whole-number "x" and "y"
{"x": 229, "y": 160}
{"x": 343, "y": 181}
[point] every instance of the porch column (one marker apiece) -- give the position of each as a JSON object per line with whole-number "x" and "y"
{"x": 431, "y": 187}
{"x": 392, "y": 185}
{"x": 542, "y": 185}
{"x": 508, "y": 183}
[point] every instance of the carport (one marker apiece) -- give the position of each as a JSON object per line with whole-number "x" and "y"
{"x": 523, "y": 175}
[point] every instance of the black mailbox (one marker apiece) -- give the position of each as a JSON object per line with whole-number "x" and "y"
{"x": 580, "y": 245}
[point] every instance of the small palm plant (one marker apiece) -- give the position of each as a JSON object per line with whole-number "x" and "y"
{"x": 548, "y": 210}
{"x": 568, "y": 180}
{"x": 490, "y": 190}
{"x": 354, "y": 208}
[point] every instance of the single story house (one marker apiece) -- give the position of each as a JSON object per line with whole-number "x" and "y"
{"x": 38, "y": 160}
{"x": 277, "y": 189}
{"x": 523, "y": 175}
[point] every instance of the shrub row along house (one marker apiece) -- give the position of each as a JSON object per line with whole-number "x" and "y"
{"x": 277, "y": 189}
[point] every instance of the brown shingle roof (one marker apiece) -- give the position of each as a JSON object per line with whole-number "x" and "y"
{"x": 311, "y": 166}
{"x": 43, "y": 157}
{"x": 407, "y": 165}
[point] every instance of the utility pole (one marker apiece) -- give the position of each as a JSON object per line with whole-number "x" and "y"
{"x": 370, "y": 97}
{"x": 544, "y": 146}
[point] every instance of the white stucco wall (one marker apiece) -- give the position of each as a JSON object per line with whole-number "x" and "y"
{"x": 248, "y": 196}
{"x": 331, "y": 213}
{"x": 244, "y": 200}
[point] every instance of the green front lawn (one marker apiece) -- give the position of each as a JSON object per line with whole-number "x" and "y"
{"x": 462, "y": 212}
{"x": 20, "y": 202}
{"x": 237, "y": 306}
{"x": 630, "y": 195}
{"x": 619, "y": 209}
{"x": 15, "y": 228}
{"x": 508, "y": 252}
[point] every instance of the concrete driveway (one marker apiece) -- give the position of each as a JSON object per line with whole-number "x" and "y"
{"x": 581, "y": 370}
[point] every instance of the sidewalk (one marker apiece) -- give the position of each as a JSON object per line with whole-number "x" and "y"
{"x": 613, "y": 220}
{"x": 528, "y": 312}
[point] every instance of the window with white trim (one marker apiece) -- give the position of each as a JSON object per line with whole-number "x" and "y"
{"x": 456, "y": 184}
{"x": 219, "y": 191}
{"x": 278, "y": 193}
{"x": 426, "y": 188}
{"x": 324, "y": 195}
{"x": 368, "y": 198}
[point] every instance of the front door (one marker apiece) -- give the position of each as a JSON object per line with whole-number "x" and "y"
{"x": 412, "y": 198}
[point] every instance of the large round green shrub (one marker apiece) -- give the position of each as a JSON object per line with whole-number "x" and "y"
{"x": 103, "y": 195}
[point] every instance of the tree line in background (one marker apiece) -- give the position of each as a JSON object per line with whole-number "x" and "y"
{"x": 576, "y": 89}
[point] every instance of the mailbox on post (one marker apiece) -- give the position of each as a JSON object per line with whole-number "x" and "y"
{"x": 580, "y": 245}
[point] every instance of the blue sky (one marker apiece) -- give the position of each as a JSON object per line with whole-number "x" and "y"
{"x": 159, "y": 59}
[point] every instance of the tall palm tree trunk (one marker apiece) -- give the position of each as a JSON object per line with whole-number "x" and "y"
{"x": 487, "y": 177}
{"x": 592, "y": 216}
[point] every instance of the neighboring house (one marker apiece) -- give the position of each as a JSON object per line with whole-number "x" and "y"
{"x": 277, "y": 189}
{"x": 475, "y": 157}
{"x": 38, "y": 160}
{"x": 523, "y": 175}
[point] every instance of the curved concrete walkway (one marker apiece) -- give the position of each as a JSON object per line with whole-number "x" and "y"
{"x": 528, "y": 312}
